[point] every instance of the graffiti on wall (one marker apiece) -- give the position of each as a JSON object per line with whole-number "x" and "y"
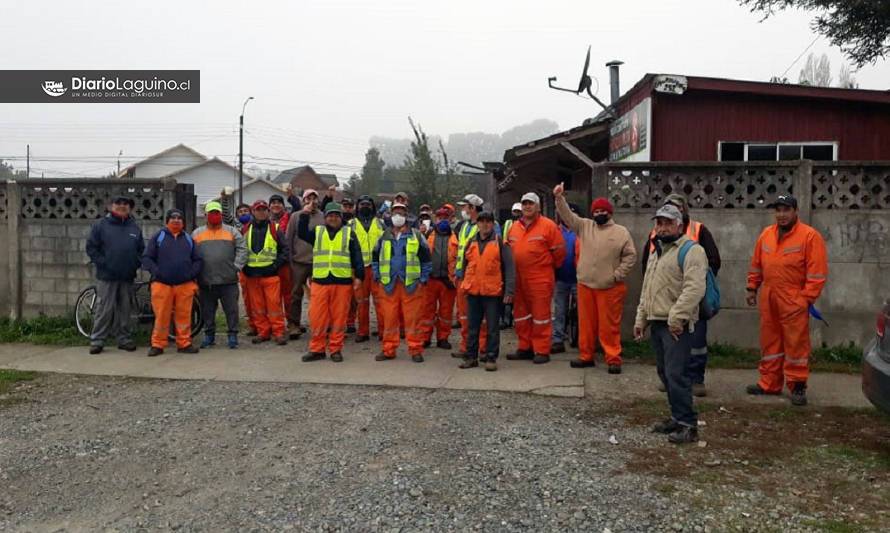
{"x": 865, "y": 238}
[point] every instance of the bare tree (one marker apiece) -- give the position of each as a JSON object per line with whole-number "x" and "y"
{"x": 846, "y": 79}
{"x": 816, "y": 72}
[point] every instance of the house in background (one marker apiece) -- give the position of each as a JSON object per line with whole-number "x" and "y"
{"x": 305, "y": 177}
{"x": 259, "y": 189}
{"x": 186, "y": 165}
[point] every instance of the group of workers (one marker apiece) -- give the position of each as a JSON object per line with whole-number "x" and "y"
{"x": 416, "y": 270}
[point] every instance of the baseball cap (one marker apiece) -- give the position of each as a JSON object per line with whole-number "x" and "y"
{"x": 486, "y": 215}
{"x": 401, "y": 194}
{"x": 531, "y": 197}
{"x": 124, "y": 200}
{"x": 347, "y": 201}
{"x": 425, "y": 208}
{"x": 669, "y": 211}
{"x": 473, "y": 200}
{"x": 260, "y": 204}
{"x": 443, "y": 212}
{"x": 212, "y": 206}
{"x": 333, "y": 207}
{"x": 276, "y": 198}
{"x": 786, "y": 200}
{"x": 516, "y": 207}
{"x": 399, "y": 204}
{"x": 307, "y": 192}
{"x": 676, "y": 199}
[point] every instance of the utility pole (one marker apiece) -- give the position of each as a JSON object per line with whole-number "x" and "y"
{"x": 241, "y": 153}
{"x": 28, "y": 162}
{"x": 119, "y": 154}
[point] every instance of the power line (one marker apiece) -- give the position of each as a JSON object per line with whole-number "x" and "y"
{"x": 800, "y": 56}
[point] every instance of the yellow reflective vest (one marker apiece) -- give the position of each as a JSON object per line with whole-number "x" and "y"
{"x": 330, "y": 256}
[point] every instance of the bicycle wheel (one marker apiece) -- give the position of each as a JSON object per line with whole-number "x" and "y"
{"x": 84, "y": 311}
{"x": 572, "y": 320}
{"x": 197, "y": 321}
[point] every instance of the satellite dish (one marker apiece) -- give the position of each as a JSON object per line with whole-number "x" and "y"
{"x": 584, "y": 84}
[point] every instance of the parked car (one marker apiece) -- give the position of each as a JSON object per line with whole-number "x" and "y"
{"x": 876, "y": 363}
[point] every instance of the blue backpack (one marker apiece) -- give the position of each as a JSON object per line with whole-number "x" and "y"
{"x": 710, "y": 304}
{"x": 162, "y": 234}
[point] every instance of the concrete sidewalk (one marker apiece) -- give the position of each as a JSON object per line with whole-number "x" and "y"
{"x": 282, "y": 364}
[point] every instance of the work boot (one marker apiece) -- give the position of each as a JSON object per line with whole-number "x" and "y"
{"x": 491, "y": 365}
{"x": 684, "y": 435}
{"x": 666, "y": 427}
{"x": 580, "y": 363}
{"x": 96, "y": 349}
{"x": 382, "y": 357}
{"x": 209, "y": 340}
{"x": 294, "y": 334}
{"x": 427, "y": 343}
{"x": 417, "y": 358}
{"x": 443, "y": 344}
{"x": 558, "y": 347}
{"x": 127, "y": 346}
{"x": 337, "y": 357}
{"x": 314, "y": 356}
{"x": 614, "y": 369}
{"x": 350, "y": 329}
{"x": 521, "y": 355}
{"x": 755, "y": 390}
{"x": 362, "y": 338}
{"x": 187, "y": 349}
{"x": 154, "y": 352}
{"x": 799, "y": 394}
{"x": 540, "y": 359}
{"x": 469, "y": 362}
{"x": 252, "y": 332}
{"x": 259, "y": 340}
{"x": 233, "y": 341}
{"x": 281, "y": 341}
{"x": 699, "y": 390}
{"x": 459, "y": 355}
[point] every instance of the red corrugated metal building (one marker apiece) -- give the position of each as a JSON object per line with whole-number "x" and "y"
{"x": 710, "y": 119}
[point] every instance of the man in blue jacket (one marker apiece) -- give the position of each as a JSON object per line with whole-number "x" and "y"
{"x": 114, "y": 246}
{"x": 566, "y": 284}
{"x": 174, "y": 264}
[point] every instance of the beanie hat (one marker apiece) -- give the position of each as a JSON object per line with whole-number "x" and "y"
{"x": 172, "y": 212}
{"x": 602, "y": 203}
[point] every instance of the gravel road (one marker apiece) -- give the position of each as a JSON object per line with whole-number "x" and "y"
{"x": 86, "y": 453}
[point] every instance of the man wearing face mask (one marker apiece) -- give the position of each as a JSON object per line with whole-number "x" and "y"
{"x": 242, "y": 220}
{"x": 669, "y": 303}
{"x": 699, "y": 233}
{"x": 266, "y": 252}
{"x": 606, "y": 254}
{"x": 174, "y": 264}
{"x": 440, "y": 291}
{"x": 300, "y": 259}
{"x": 401, "y": 263}
{"x": 224, "y": 254}
{"x": 367, "y": 229}
{"x": 466, "y": 229}
{"x": 337, "y": 272}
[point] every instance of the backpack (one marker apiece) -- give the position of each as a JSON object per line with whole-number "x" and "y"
{"x": 710, "y": 304}
{"x": 162, "y": 234}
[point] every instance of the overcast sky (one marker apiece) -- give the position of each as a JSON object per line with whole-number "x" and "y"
{"x": 328, "y": 74}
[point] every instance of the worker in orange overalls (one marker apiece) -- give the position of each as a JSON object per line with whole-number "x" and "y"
{"x": 440, "y": 290}
{"x": 337, "y": 272}
{"x": 242, "y": 220}
{"x": 401, "y": 264}
{"x": 463, "y": 232}
{"x": 790, "y": 265}
{"x": 266, "y": 252}
{"x": 368, "y": 229}
{"x": 174, "y": 265}
{"x": 538, "y": 250}
{"x": 279, "y": 217}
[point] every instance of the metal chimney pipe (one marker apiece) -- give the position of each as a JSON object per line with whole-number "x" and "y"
{"x": 613, "y": 79}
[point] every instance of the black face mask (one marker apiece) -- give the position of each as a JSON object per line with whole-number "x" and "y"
{"x": 515, "y": 217}
{"x": 601, "y": 219}
{"x": 668, "y": 238}
{"x": 365, "y": 211}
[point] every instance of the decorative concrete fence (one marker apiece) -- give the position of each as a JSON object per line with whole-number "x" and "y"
{"x": 849, "y": 202}
{"x": 44, "y": 225}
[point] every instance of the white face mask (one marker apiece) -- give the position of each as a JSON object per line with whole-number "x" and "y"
{"x": 465, "y": 215}
{"x": 398, "y": 220}
{"x": 426, "y": 225}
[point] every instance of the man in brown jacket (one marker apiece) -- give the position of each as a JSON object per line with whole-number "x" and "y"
{"x": 605, "y": 256}
{"x": 301, "y": 259}
{"x": 669, "y": 304}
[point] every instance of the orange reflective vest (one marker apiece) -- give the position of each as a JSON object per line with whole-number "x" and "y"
{"x": 797, "y": 263}
{"x": 693, "y": 230}
{"x": 483, "y": 276}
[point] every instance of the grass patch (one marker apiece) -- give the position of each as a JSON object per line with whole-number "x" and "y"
{"x": 57, "y": 330}
{"x": 834, "y": 526}
{"x": 845, "y": 358}
{"x": 8, "y": 378}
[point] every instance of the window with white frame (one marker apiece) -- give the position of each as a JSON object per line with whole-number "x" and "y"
{"x": 763, "y": 151}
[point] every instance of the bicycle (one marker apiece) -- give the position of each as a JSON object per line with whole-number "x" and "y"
{"x": 141, "y": 311}
{"x": 572, "y": 319}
